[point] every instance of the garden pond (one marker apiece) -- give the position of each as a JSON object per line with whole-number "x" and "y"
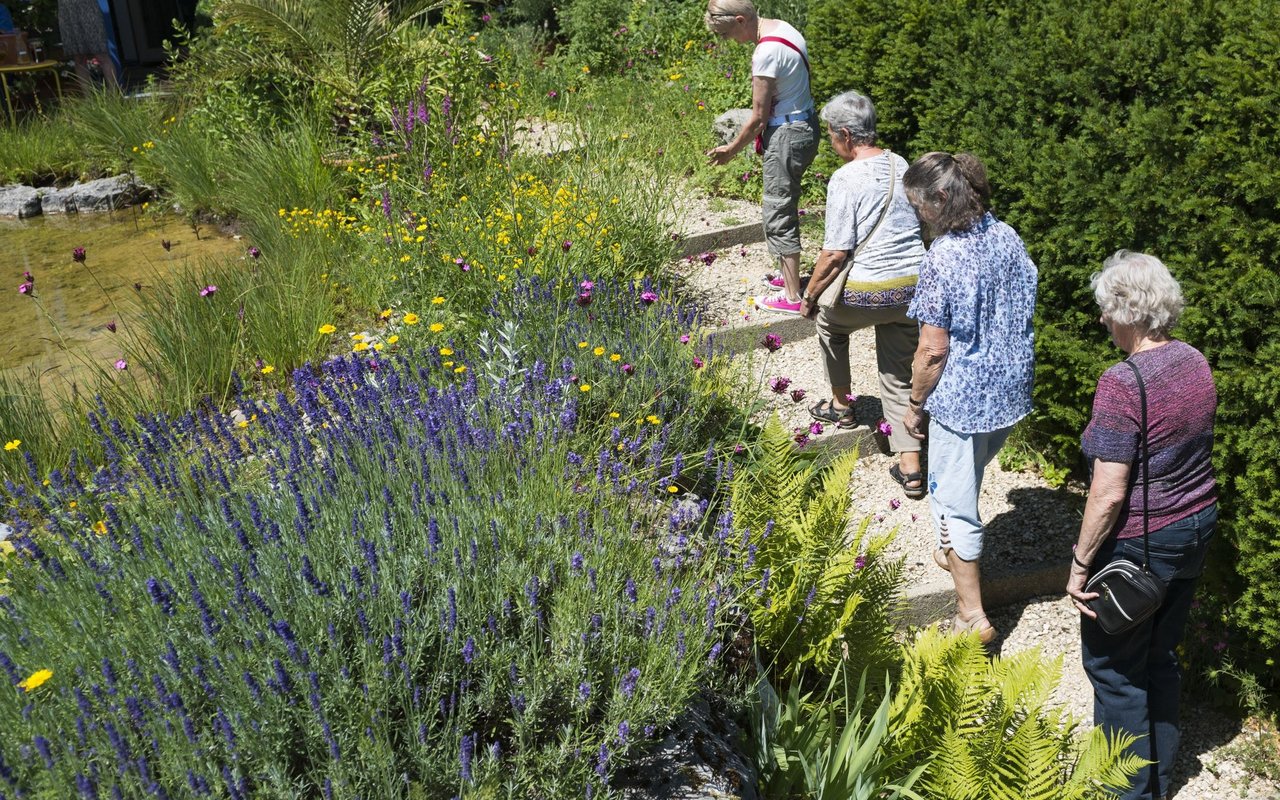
{"x": 61, "y": 327}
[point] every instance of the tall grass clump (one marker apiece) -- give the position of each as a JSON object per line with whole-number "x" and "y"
{"x": 41, "y": 151}
{"x": 400, "y": 581}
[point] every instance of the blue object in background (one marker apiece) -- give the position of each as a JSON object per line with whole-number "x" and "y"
{"x": 6, "y": 20}
{"x": 113, "y": 50}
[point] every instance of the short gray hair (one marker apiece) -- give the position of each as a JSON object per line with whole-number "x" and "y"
{"x": 1137, "y": 289}
{"x": 720, "y": 13}
{"x": 853, "y": 112}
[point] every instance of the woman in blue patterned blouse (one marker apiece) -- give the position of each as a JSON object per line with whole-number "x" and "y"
{"x": 974, "y": 365}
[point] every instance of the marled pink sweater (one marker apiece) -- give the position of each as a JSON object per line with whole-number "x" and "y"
{"x": 1181, "y": 402}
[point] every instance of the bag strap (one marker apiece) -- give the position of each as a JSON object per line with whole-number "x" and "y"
{"x": 788, "y": 43}
{"x": 1146, "y": 467}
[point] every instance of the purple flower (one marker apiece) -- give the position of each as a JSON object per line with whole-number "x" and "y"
{"x": 797, "y": 395}
{"x": 566, "y": 244}
{"x": 707, "y": 258}
{"x": 25, "y": 288}
{"x": 121, "y": 364}
{"x": 584, "y": 691}
{"x": 28, "y": 277}
{"x": 859, "y": 562}
{"x": 894, "y": 503}
{"x": 779, "y": 384}
{"x": 624, "y": 730}
{"x": 584, "y": 299}
{"x": 575, "y": 562}
{"x": 629, "y": 682}
{"x": 587, "y": 286}
{"x": 208, "y": 290}
{"x": 78, "y": 255}
{"x": 254, "y": 252}
{"x": 463, "y": 265}
{"x": 627, "y": 369}
{"x": 111, "y": 326}
{"x": 552, "y": 95}
{"x": 772, "y": 342}
{"x": 485, "y": 17}
{"x": 815, "y": 428}
{"x": 801, "y": 436}
{"x": 697, "y": 363}
{"x": 468, "y": 751}
{"x": 469, "y": 650}
{"x": 648, "y": 298}
{"x": 684, "y": 338}
{"x": 884, "y": 427}
{"x": 166, "y": 244}
{"x": 850, "y": 399}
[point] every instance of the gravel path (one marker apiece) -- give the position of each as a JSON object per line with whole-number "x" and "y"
{"x": 1026, "y": 517}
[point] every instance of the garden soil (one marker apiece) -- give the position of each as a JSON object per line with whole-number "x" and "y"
{"x": 1028, "y": 519}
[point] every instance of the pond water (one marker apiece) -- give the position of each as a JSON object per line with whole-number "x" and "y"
{"x": 61, "y": 328}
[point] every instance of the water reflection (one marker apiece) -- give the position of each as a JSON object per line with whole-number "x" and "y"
{"x": 62, "y": 330}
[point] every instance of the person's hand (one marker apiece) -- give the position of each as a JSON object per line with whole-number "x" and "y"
{"x": 808, "y": 308}
{"x": 1075, "y": 588}
{"x": 719, "y": 156}
{"x": 915, "y": 422}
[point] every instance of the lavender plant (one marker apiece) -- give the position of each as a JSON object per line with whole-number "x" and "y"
{"x": 391, "y": 583}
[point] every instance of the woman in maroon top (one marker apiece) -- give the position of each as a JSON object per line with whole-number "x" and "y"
{"x": 1136, "y": 675}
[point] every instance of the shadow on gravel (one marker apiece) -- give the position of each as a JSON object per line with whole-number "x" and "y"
{"x": 1043, "y": 524}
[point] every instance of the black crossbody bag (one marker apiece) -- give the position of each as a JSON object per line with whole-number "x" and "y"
{"x": 1128, "y": 594}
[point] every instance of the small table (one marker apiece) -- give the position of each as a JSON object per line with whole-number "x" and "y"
{"x": 13, "y": 69}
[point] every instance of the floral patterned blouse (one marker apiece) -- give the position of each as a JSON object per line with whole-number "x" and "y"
{"x": 980, "y": 286}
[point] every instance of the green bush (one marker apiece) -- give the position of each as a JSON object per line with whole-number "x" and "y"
{"x": 1106, "y": 125}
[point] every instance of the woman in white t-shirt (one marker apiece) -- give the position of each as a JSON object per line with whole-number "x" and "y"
{"x": 783, "y": 118}
{"x": 869, "y": 220}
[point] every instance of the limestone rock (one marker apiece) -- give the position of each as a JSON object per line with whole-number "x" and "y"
{"x": 19, "y": 201}
{"x": 698, "y": 760}
{"x": 104, "y": 194}
{"x": 728, "y": 124}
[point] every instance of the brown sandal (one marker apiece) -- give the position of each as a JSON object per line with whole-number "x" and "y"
{"x": 981, "y": 625}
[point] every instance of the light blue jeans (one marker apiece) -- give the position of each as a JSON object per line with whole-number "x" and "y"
{"x": 957, "y": 462}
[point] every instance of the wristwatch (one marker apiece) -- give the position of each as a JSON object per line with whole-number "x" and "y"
{"x": 807, "y": 298}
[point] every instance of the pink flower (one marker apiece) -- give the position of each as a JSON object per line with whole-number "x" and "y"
{"x": 121, "y": 364}
{"x": 797, "y": 395}
{"x": 772, "y": 342}
{"x": 627, "y": 369}
{"x": 111, "y": 326}
{"x": 463, "y": 265}
{"x": 850, "y": 399}
{"x": 801, "y": 436}
{"x": 697, "y": 363}
{"x": 815, "y": 428}
{"x": 684, "y": 338}
{"x": 208, "y": 290}
{"x": 739, "y": 449}
{"x": 78, "y": 255}
{"x": 895, "y": 503}
{"x": 566, "y": 244}
{"x": 884, "y": 427}
{"x": 648, "y": 298}
{"x": 255, "y": 252}
{"x": 914, "y": 517}
{"x": 707, "y": 258}
{"x": 584, "y": 299}
{"x": 531, "y": 250}
{"x": 859, "y": 562}
{"x": 28, "y": 277}
{"x": 587, "y": 286}
{"x": 25, "y": 288}
{"x": 779, "y": 384}
{"x": 552, "y": 95}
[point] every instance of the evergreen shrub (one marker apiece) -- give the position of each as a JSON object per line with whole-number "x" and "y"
{"x": 1108, "y": 125}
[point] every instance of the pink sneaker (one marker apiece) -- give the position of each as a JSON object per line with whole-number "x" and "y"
{"x": 775, "y": 280}
{"x": 778, "y": 303}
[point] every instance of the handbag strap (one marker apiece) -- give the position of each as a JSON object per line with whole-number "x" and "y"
{"x": 788, "y": 43}
{"x": 829, "y": 300}
{"x": 1145, "y": 455}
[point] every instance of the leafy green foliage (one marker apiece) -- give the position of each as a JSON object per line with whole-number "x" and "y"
{"x": 991, "y": 730}
{"x": 1133, "y": 124}
{"x": 817, "y": 595}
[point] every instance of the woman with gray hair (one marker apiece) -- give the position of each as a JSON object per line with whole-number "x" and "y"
{"x": 974, "y": 366}
{"x": 866, "y": 275}
{"x": 783, "y": 126}
{"x": 1136, "y": 675}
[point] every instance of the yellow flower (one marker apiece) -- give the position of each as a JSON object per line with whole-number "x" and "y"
{"x": 244, "y": 423}
{"x": 460, "y": 368}
{"x": 72, "y": 504}
{"x": 446, "y": 351}
{"x": 360, "y": 347}
{"x": 436, "y": 327}
{"x": 359, "y": 337}
{"x": 584, "y": 345}
{"x": 435, "y": 301}
{"x": 267, "y": 370}
{"x": 615, "y": 357}
{"x": 392, "y": 339}
{"x": 586, "y": 387}
{"x": 100, "y": 528}
{"x": 327, "y": 329}
{"x": 6, "y": 548}
{"x": 386, "y": 314}
{"x": 598, "y": 351}
{"x": 653, "y": 419}
{"x": 614, "y": 415}
{"x": 585, "y": 69}
{"x": 448, "y": 364}
{"x": 13, "y": 444}
{"x": 378, "y": 347}
{"x": 36, "y": 680}
{"x": 672, "y": 489}
{"x": 411, "y": 319}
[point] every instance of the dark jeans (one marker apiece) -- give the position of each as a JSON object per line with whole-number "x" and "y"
{"x": 1135, "y": 675}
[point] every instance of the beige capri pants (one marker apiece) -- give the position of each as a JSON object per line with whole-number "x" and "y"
{"x": 896, "y": 339}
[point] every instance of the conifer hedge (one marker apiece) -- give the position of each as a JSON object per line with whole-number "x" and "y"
{"x": 1143, "y": 124}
